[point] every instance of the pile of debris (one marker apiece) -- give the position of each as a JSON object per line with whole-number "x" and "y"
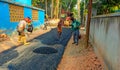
{"x": 4, "y": 37}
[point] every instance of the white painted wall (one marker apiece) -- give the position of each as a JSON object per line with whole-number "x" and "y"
{"x": 105, "y": 37}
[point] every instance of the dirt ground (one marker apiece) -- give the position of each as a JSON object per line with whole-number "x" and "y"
{"x": 79, "y": 58}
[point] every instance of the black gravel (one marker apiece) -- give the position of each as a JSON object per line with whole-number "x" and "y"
{"x": 41, "y": 56}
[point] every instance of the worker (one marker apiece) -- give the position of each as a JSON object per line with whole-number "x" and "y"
{"x": 21, "y": 30}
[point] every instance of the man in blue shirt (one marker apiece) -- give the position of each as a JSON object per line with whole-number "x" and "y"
{"x": 75, "y": 28}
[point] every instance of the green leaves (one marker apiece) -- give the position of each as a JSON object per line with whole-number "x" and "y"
{"x": 68, "y": 4}
{"x": 106, "y": 6}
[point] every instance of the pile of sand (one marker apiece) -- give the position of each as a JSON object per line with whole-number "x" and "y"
{"x": 4, "y": 37}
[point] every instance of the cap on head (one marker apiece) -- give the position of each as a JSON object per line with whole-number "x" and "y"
{"x": 27, "y": 19}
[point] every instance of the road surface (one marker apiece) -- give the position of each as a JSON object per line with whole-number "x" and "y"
{"x": 44, "y": 53}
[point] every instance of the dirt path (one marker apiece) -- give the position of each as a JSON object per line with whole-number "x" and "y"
{"x": 78, "y": 58}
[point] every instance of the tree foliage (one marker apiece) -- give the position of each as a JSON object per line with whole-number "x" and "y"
{"x": 67, "y": 5}
{"x": 106, "y": 6}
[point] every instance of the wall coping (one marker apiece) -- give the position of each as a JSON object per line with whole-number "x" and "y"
{"x": 23, "y": 5}
{"x": 108, "y": 15}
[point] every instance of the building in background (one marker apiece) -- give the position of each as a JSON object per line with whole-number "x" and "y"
{"x": 12, "y": 11}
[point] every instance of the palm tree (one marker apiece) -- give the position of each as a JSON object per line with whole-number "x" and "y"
{"x": 78, "y": 7}
{"x": 52, "y": 6}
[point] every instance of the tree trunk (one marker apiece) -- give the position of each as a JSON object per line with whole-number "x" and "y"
{"x": 88, "y": 22}
{"x": 60, "y": 10}
{"x": 78, "y": 6}
{"x": 52, "y": 6}
{"x": 56, "y": 10}
{"x": 57, "y": 13}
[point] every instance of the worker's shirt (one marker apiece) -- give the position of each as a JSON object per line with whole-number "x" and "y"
{"x": 75, "y": 25}
{"x": 22, "y": 25}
